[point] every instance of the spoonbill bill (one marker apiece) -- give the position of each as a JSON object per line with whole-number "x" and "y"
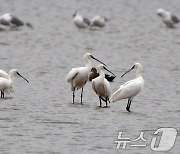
{"x": 78, "y": 76}
{"x": 101, "y": 86}
{"x": 169, "y": 19}
{"x": 131, "y": 88}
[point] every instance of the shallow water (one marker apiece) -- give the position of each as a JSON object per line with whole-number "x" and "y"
{"x": 40, "y": 118}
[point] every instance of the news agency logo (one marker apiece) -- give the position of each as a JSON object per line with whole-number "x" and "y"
{"x": 163, "y": 140}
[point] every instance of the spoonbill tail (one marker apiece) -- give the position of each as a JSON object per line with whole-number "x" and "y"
{"x": 93, "y": 74}
{"x": 169, "y": 19}
{"x": 8, "y": 20}
{"x": 131, "y": 88}
{"x": 80, "y": 21}
{"x": 6, "y": 80}
{"x": 78, "y": 77}
{"x": 101, "y": 86}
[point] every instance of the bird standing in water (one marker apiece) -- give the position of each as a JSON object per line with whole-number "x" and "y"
{"x": 131, "y": 88}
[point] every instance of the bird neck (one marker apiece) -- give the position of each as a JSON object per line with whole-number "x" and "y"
{"x": 101, "y": 73}
{"x": 88, "y": 64}
{"x": 11, "y": 76}
{"x": 138, "y": 72}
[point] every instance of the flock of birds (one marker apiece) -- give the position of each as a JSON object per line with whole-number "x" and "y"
{"x": 99, "y": 21}
{"x": 79, "y": 76}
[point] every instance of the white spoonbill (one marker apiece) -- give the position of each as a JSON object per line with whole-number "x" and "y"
{"x": 6, "y": 80}
{"x": 78, "y": 77}
{"x": 131, "y": 88}
{"x": 101, "y": 86}
{"x": 79, "y": 21}
{"x": 8, "y": 20}
{"x": 98, "y": 21}
{"x": 169, "y": 19}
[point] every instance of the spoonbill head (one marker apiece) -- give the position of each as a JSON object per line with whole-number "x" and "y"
{"x": 78, "y": 76}
{"x": 80, "y": 21}
{"x": 169, "y": 19}
{"x": 101, "y": 86}
{"x": 131, "y": 88}
{"x": 13, "y": 73}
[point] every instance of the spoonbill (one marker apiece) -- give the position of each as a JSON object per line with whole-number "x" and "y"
{"x": 78, "y": 77}
{"x": 11, "y": 21}
{"x": 6, "y": 80}
{"x": 169, "y": 19}
{"x": 101, "y": 86}
{"x": 98, "y": 21}
{"x": 131, "y": 88}
{"x": 93, "y": 74}
{"x": 80, "y": 21}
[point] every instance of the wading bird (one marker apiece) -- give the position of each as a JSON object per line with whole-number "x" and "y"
{"x": 131, "y": 88}
{"x": 101, "y": 86}
{"x": 10, "y": 21}
{"x": 6, "y": 80}
{"x": 78, "y": 77}
{"x": 80, "y": 21}
{"x": 169, "y": 19}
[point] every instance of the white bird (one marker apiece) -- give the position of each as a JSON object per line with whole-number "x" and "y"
{"x": 78, "y": 76}
{"x": 8, "y": 20}
{"x": 79, "y": 21}
{"x": 131, "y": 88}
{"x": 6, "y": 80}
{"x": 98, "y": 21}
{"x": 169, "y": 19}
{"x": 101, "y": 86}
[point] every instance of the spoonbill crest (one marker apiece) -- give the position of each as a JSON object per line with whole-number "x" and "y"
{"x": 78, "y": 77}
{"x": 131, "y": 88}
{"x": 101, "y": 86}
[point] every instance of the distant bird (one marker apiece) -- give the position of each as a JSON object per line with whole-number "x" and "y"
{"x": 98, "y": 21}
{"x": 169, "y": 19}
{"x": 6, "y": 80}
{"x": 80, "y": 21}
{"x": 93, "y": 74}
{"x": 9, "y": 21}
{"x": 101, "y": 86}
{"x": 131, "y": 88}
{"x": 78, "y": 76}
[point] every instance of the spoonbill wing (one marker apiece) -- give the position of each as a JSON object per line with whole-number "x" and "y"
{"x": 71, "y": 74}
{"x": 127, "y": 90}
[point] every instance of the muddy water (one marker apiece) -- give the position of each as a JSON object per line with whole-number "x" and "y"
{"x": 40, "y": 118}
